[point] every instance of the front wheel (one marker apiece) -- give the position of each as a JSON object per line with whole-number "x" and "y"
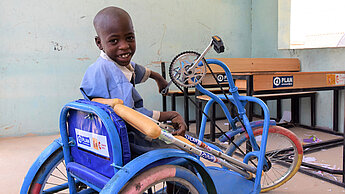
{"x": 165, "y": 179}
{"x": 284, "y": 152}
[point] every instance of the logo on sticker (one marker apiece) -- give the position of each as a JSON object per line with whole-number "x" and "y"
{"x": 83, "y": 140}
{"x": 222, "y": 78}
{"x": 282, "y": 81}
{"x": 98, "y": 145}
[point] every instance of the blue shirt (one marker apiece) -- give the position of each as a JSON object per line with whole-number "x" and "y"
{"x": 103, "y": 79}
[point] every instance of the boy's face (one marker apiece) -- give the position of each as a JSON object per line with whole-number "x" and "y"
{"x": 116, "y": 38}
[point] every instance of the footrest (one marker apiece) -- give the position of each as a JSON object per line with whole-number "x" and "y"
{"x": 227, "y": 181}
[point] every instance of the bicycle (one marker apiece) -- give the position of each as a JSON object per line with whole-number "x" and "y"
{"x": 287, "y": 156}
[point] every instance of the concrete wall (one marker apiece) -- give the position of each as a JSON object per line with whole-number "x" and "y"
{"x": 47, "y": 46}
{"x": 265, "y": 44}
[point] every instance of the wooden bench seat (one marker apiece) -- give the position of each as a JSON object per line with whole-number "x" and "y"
{"x": 294, "y": 96}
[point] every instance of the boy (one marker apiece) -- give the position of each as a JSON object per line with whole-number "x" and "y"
{"x": 114, "y": 75}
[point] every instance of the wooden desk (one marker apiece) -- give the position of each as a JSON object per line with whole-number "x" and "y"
{"x": 283, "y": 82}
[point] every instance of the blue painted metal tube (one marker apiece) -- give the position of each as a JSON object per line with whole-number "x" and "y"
{"x": 233, "y": 88}
{"x": 109, "y": 125}
{"x": 262, "y": 159}
{"x": 204, "y": 119}
{"x": 134, "y": 166}
{"x": 38, "y": 163}
{"x": 237, "y": 100}
{"x": 207, "y": 107}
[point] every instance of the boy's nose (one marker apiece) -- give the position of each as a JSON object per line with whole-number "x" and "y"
{"x": 123, "y": 45}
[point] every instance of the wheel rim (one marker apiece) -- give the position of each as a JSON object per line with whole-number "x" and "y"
{"x": 284, "y": 151}
{"x": 171, "y": 185}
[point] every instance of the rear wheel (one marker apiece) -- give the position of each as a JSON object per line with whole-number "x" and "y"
{"x": 283, "y": 151}
{"x": 165, "y": 179}
{"x": 52, "y": 176}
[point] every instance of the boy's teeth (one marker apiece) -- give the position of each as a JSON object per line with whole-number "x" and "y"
{"x": 124, "y": 56}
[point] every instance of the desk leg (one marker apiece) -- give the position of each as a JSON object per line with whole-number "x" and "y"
{"x": 344, "y": 147}
{"x": 250, "y": 92}
{"x": 198, "y": 113}
{"x": 213, "y": 122}
{"x": 335, "y": 110}
{"x": 295, "y": 109}
{"x": 164, "y": 99}
{"x": 279, "y": 109}
{"x": 173, "y": 102}
{"x": 312, "y": 111}
{"x": 186, "y": 107}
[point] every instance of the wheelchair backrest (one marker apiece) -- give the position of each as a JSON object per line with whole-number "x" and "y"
{"x": 100, "y": 136}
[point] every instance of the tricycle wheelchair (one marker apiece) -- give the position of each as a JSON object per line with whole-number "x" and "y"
{"x": 93, "y": 153}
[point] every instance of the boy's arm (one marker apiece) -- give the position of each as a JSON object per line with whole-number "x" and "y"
{"x": 161, "y": 82}
{"x": 177, "y": 121}
{"x": 110, "y": 102}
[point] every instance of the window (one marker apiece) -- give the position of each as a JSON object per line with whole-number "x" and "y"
{"x": 311, "y": 24}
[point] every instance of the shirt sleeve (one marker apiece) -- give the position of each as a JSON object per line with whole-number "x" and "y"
{"x": 94, "y": 84}
{"x": 141, "y": 73}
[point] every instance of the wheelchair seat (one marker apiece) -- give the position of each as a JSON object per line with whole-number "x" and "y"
{"x": 92, "y": 157}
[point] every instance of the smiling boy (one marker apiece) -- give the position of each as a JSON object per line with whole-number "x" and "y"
{"x": 114, "y": 75}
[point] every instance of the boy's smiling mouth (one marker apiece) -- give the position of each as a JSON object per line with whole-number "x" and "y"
{"x": 124, "y": 56}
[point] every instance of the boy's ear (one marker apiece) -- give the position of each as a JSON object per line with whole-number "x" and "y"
{"x": 98, "y": 42}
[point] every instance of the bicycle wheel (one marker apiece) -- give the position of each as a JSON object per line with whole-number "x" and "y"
{"x": 52, "y": 176}
{"x": 165, "y": 179}
{"x": 283, "y": 151}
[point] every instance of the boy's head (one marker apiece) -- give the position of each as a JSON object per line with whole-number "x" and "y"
{"x": 115, "y": 34}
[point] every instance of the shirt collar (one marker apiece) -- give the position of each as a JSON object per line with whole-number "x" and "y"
{"x": 128, "y": 70}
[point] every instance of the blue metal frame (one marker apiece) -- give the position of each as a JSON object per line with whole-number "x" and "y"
{"x": 55, "y": 145}
{"x": 136, "y": 165}
{"x": 109, "y": 125}
{"x": 239, "y": 102}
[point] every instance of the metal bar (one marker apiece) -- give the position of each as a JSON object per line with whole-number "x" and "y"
{"x": 279, "y": 109}
{"x": 304, "y": 171}
{"x": 212, "y": 127}
{"x": 320, "y": 129}
{"x": 197, "y": 112}
{"x": 328, "y": 170}
{"x": 173, "y": 102}
{"x": 312, "y": 111}
{"x": 344, "y": 147}
{"x": 164, "y": 98}
{"x": 322, "y": 143}
{"x": 250, "y": 92}
{"x": 335, "y": 110}
{"x": 327, "y": 146}
{"x": 186, "y": 108}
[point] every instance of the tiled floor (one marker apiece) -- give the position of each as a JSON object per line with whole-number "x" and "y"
{"x": 17, "y": 155}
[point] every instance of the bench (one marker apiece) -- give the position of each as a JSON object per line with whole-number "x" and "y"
{"x": 294, "y": 96}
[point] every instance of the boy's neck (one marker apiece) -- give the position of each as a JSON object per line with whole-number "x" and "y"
{"x": 106, "y": 57}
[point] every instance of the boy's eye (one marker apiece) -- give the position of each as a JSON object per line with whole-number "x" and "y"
{"x": 113, "y": 40}
{"x": 131, "y": 38}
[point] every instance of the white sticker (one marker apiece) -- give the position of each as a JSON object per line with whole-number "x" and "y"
{"x": 92, "y": 142}
{"x": 339, "y": 79}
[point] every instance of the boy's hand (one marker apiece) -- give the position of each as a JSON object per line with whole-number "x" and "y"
{"x": 161, "y": 82}
{"x": 177, "y": 122}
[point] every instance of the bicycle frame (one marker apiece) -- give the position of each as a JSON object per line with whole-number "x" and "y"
{"x": 239, "y": 102}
